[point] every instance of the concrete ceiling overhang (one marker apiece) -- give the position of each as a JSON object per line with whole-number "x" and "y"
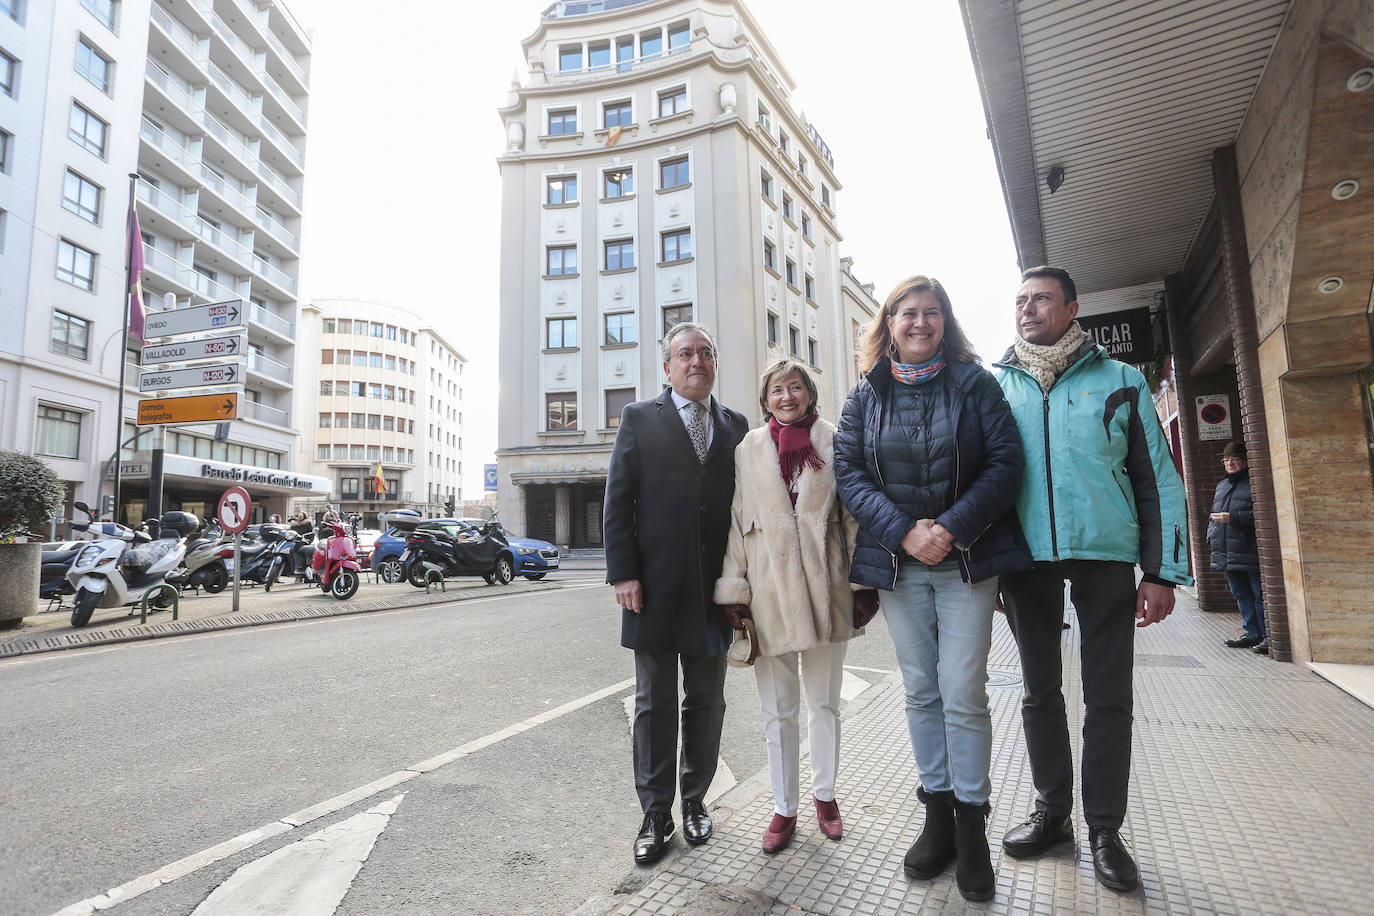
{"x": 1130, "y": 100}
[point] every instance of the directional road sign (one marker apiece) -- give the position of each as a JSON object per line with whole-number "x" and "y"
{"x": 198, "y": 408}
{"x": 233, "y": 510}
{"x": 201, "y": 348}
{"x": 217, "y": 316}
{"x": 204, "y": 376}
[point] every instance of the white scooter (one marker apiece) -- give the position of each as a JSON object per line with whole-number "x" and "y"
{"x": 121, "y": 564}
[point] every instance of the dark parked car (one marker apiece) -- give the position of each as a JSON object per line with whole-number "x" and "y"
{"x": 457, "y": 549}
{"x": 534, "y": 559}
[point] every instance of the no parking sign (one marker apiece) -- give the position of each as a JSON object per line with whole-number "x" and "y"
{"x": 1213, "y": 417}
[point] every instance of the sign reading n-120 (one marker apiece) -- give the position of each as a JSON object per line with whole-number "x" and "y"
{"x": 216, "y": 316}
{"x": 196, "y": 377}
{"x": 203, "y": 348}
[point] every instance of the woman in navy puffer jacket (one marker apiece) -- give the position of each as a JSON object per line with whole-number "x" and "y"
{"x": 928, "y": 460}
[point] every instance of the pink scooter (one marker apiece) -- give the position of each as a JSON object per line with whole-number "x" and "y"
{"x": 334, "y": 567}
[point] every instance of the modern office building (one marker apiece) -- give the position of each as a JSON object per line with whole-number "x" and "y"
{"x": 380, "y": 389}
{"x": 656, "y": 170}
{"x": 205, "y": 101}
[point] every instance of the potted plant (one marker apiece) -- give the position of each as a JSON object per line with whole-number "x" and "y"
{"x": 30, "y": 495}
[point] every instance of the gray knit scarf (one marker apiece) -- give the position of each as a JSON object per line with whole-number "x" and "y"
{"x": 1048, "y": 361}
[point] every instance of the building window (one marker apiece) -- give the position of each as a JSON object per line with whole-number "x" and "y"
{"x": 806, "y": 226}
{"x": 388, "y": 392}
{"x": 389, "y": 360}
{"x": 674, "y": 315}
{"x": 357, "y": 420}
{"x": 679, "y": 37}
{"x": 620, "y": 255}
{"x": 327, "y": 387}
{"x": 672, "y": 101}
{"x": 569, "y": 58}
{"x": 790, "y": 273}
{"x": 326, "y": 420}
{"x": 348, "y": 486}
{"x": 357, "y": 389}
{"x": 340, "y": 452}
{"x": 75, "y": 265}
{"x": 650, "y": 44}
{"x": 793, "y": 341}
{"x": 355, "y": 453}
{"x": 560, "y": 333}
{"x": 766, "y": 184}
{"x": 784, "y": 143}
{"x": 327, "y": 357}
{"x": 560, "y": 411}
{"x": 825, "y": 195}
{"x": 70, "y": 335}
{"x": 563, "y": 121}
{"x": 813, "y": 351}
{"x": 388, "y": 424}
{"x": 764, "y": 121}
{"x": 599, "y": 55}
{"x": 674, "y": 173}
{"x": 5, "y": 137}
{"x": 773, "y": 329}
{"x": 624, "y": 54}
{"x": 616, "y": 114}
{"x": 620, "y": 182}
{"x": 562, "y": 260}
{"x": 770, "y": 256}
{"x": 345, "y": 325}
{"x": 81, "y": 197}
{"x": 328, "y": 326}
{"x": 620, "y": 329}
{"x": 801, "y": 164}
{"x": 617, "y": 399}
{"x": 391, "y": 332}
{"x": 374, "y": 390}
{"x": 104, "y": 10}
{"x": 374, "y": 421}
{"x": 10, "y": 8}
{"x": 677, "y": 245}
{"x": 809, "y": 286}
{"x": 787, "y": 210}
{"x": 58, "y": 432}
{"x": 87, "y": 130}
{"x": 321, "y": 453}
{"x": 374, "y": 360}
{"x": 93, "y": 65}
{"x": 378, "y": 330}
{"x": 563, "y": 190}
{"x": 9, "y": 74}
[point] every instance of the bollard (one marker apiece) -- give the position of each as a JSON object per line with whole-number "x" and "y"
{"x": 156, "y": 589}
{"x": 430, "y": 576}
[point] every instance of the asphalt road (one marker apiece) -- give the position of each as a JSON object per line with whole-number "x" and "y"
{"x": 120, "y": 761}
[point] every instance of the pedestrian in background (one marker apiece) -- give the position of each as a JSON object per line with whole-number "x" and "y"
{"x": 1231, "y": 537}
{"x": 666, "y": 520}
{"x": 928, "y": 460}
{"x": 1100, "y": 494}
{"x": 785, "y": 584}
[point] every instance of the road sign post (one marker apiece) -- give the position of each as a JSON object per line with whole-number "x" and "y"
{"x": 221, "y": 347}
{"x": 207, "y": 375}
{"x": 217, "y": 316}
{"x": 232, "y": 513}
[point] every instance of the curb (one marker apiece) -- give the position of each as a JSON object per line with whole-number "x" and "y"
{"x": 84, "y": 639}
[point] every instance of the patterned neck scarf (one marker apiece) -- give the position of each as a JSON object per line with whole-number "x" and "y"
{"x": 918, "y": 373}
{"x": 1048, "y": 361}
{"x": 795, "y": 450}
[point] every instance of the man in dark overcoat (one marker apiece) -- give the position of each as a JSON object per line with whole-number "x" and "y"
{"x": 666, "y": 519}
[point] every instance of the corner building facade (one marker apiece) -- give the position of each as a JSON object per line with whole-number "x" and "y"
{"x": 656, "y": 170}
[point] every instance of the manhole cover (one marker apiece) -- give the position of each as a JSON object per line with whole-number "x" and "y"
{"x": 1004, "y": 677}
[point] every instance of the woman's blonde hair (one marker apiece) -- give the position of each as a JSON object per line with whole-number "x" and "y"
{"x": 877, "y": 340}
{"x": 781, "y": 369}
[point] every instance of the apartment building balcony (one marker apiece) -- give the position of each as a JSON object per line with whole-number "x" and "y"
{"x": 254, "y": 116}
{"x": 177, "y": 107}
{"x": 164, "y": 151}
{"x": 237, "y": 151}
{"x": 241, "y": 198}
{"x": 276, "y": 326}
{"x": 169, "y": 35}
{"x": 275, "y": 190}
{"x": 246, "y": 57}
{"x": 282, "y": 286}
{"x": 635, "y": 67}
{"x": 263, "y": 413}
{"x": 173, "y": 275}
{"x": 268, "y": 370}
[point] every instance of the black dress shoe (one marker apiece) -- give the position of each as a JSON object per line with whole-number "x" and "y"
{"x": 1036, "y": 834}
{"x": 1243, "y": 642}
{"x": 1261, "y": 648}
{"x": 1112, "y": 860}
{"x": 654, "y": 835}
{"x": 696, "y": 823}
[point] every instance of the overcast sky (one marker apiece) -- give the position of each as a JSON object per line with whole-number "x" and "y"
{"x": 402, "y": 194}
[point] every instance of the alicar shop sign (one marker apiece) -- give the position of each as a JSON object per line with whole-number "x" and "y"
{"x": 1125, "y": 334}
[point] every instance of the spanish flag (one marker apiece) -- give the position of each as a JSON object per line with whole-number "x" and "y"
{"x": 615, "y": 135}
{"x": 378, "y": 485}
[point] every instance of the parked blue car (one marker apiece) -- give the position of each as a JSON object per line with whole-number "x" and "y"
{"x": 534, "y": 559}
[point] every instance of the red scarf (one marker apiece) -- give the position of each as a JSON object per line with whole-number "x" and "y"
{"x": 795, "y": 450}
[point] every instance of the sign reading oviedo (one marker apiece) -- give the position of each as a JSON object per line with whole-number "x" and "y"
{"x": 217, "y": 316}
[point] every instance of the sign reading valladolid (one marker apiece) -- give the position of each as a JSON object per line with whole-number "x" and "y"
{"x": 1125, "y": 334}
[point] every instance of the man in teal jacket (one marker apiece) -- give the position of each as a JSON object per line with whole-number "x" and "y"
{"x": 1099, "y": 496}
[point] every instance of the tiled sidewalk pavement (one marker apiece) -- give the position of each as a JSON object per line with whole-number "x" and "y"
{"x": 1251, "y": 792}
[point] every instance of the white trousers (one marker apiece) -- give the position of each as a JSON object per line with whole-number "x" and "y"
{"x": 822, "y": 670}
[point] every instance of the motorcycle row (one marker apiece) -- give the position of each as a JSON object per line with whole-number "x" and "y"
{"x": 115, "y": 565}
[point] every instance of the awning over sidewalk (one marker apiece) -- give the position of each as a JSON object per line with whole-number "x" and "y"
{"x": 221, "y": 474}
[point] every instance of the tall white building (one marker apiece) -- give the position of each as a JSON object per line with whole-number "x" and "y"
{"x": 656, "y": 170}
{"x": 380, "y": 388}
{"x": 205, "y": 100}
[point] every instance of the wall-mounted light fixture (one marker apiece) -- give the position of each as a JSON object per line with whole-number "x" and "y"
{"x": 1344, "y": 190}
{"x": 1055, "y": 178}
{"x": 1329, "y": 285}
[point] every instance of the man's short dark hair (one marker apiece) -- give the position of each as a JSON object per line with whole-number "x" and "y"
{"x": 1058, "y": 273}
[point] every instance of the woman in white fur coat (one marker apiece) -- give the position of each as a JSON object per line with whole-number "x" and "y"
{"x": 786, "y": 584}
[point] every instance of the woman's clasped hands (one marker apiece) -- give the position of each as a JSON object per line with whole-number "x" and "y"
{"x": 928, "y": 541}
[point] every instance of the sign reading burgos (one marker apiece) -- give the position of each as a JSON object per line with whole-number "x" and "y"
{"x": 256, "y": 475}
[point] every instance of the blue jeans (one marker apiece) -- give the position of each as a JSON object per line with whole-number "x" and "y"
{"x": 941, "y": 627}
{"x": 1245, "y": 585}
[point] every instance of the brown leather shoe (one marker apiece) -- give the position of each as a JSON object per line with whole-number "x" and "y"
{"x": 828, "y": 814}
{"x": 779, "y": 833}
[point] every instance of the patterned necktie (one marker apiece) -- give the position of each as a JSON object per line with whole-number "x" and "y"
{"x": 696, "y": 428}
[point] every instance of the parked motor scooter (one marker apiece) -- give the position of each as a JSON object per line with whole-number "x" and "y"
{"x": 58, "y": 557}
{"x": 205, "y": 564}
{"x": 334, "y": 564}
{"x": 256, "y": 556}
{"x": 283, "y": 556}
{"x": 121, "y": 564}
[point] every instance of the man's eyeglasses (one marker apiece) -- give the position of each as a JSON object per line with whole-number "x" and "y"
{"x": 685, "y": 355}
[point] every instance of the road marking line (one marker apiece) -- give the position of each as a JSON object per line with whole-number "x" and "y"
{"x": 872, "y": 670}
{"x": 310, "y": 877}
{"x": 722, "y": 782}
{"x": 183, "y": 867}
{"x": 852, "y": 685}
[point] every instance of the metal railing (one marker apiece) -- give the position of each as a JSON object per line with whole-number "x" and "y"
{"x": 275, "y": 275}
{"x": 249, "y": 57}
{"x": 255, "y": 410}
{"x": 245, "y": 103}
{"x": 261, "y": 316}
{"x": 265, "y": 365}
{"x": 274, "y": 226}
{"x": 618, "y": 68}
{"x": 175, "y": 151}
{"x": 278, "y": 184}
{"x": 179, "y": 34}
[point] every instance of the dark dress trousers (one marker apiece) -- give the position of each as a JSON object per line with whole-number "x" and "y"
{"x": 666, "y": 521}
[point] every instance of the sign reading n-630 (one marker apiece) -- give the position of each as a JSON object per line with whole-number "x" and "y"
{"x": 198, "y": 408}
{"x": 202, "y": 376}
{"x": 217, "y": 316}
{"x": 204, "y": 348}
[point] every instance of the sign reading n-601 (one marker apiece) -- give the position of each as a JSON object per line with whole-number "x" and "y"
{"x": 202, "y": 348}
{"x": 196, "y": 377}
{"x": 217, "y": 316}
{"x": 198, "y": 408}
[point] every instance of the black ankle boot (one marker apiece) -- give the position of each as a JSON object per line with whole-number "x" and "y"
{"x": 973, "y": 871}
{"x": 934, "y": 849}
